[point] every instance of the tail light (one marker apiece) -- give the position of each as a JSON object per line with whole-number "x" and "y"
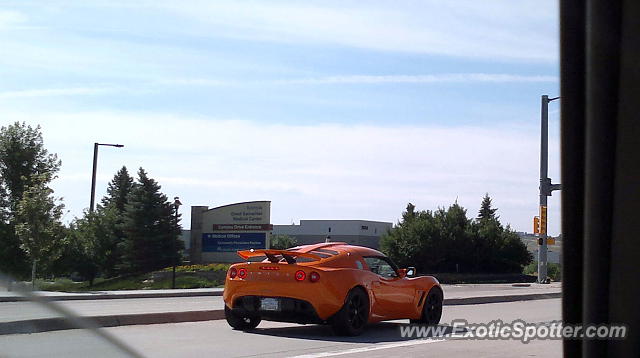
{"x": 314, "y": 277}
{"x": 242, "y": 273}
{"x": 233, "y": 272}
{"x": 300, "y": 275}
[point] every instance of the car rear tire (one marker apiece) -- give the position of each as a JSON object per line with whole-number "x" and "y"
{"x": 432, "y": 307}
{"x": 353, "y": 316}
{"x": 240, "y": 322}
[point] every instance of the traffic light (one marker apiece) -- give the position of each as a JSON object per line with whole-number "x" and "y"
{"x": 536, "y": 224}
{"x": 543, "y": 220}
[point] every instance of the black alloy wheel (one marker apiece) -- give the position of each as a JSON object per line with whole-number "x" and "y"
{"x": 352, "y": 318}
{"x": 432, "y": 309}
{"x": 240, "y": 322}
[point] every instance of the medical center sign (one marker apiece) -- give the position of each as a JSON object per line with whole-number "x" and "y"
{"x": 236, "y": 227}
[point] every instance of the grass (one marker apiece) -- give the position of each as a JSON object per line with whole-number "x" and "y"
{"x": 138, "y": 282}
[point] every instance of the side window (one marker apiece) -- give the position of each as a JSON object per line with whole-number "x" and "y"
{"x": 380, "y": 267}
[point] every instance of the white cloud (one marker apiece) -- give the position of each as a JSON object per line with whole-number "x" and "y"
{"x": 150, "y": 86}
{"x": 319, "y": 171}
{"x": 372, "y": 79}
{"x": 438, "y": 78}
{"x": 501, "y": 30}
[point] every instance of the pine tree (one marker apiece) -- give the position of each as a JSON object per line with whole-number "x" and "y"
{"x": 486, "y": 212}
{"x": 151, "y": 228}
{"x": 112, "y": 211}
{"x": 410, "y": 213}
{"x": 118, "y": 190}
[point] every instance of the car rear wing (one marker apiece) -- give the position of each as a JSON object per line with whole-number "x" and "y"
{"x": 275, "y": 256}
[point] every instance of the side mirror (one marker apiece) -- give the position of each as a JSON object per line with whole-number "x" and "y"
{"x": 410, "y": 271}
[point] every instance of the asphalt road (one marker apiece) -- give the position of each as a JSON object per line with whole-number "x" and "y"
{"x": 216, "y": 339}
{"x": 14, "y": 311}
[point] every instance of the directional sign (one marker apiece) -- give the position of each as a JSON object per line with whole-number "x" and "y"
{"x": 233, "y": 241}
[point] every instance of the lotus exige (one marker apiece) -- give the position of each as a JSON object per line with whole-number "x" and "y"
{"x": 334, "y": 283}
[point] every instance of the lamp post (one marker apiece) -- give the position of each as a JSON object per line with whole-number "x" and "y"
{"x": 176, "y": 204}
{"x": 95, "y": 166}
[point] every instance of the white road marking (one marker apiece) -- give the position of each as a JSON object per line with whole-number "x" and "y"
{"x": 371, "y": 348}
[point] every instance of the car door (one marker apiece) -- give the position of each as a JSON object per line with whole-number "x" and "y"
{"x": 392, "y": 294}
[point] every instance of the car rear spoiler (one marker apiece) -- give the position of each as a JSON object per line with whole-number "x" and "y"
{"x": 272, "y": 255}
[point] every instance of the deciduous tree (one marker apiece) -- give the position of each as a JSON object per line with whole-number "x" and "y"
{"x": 38, "y": 226}
{"x": 24, "y": 162}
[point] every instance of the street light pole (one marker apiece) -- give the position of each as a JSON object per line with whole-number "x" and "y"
{"x": 545, "y": 188}
{"x": 176, "y": 203}
{"x": 95, "y": 166}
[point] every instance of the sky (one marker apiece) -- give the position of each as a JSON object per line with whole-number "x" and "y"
{"x": 329, "y": 109}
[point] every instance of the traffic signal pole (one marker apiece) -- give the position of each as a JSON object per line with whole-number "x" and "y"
{"x": 545, "y": 188}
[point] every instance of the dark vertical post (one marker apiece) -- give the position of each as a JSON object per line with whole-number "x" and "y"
{"x": 93, "y": 176}
{"x": 174, "y": 254}
{"x": 173, "y": 276}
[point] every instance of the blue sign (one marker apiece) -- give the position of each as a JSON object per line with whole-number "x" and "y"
{"x": 232, "y": 242}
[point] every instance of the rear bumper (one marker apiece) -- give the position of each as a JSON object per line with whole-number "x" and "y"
{"x": 324, "y": 297}
{"x": 291, "y": 309}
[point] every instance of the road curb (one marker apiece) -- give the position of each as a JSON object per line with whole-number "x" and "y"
{"x": 57, "y": 324}
{"x": 500, "y": 299}
{"x": 112, "y": 296}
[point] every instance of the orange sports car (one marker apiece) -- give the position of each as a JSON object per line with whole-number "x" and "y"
{"x": 333, "y": 283}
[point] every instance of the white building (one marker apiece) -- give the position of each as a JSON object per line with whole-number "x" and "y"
{"x": 357, "y": 232}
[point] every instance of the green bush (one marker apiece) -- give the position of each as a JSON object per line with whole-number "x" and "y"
{"x": 554, "y": 271}
{"x": 447, "y": 240}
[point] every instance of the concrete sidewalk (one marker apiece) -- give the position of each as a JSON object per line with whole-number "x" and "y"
{"x": 10, "y": 296}
{"x": 172, "y": 306}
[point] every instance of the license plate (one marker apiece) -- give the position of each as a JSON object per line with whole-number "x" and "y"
{"x": 270, "y": 304}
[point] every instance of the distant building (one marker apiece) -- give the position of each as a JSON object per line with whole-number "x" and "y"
{"x": 356, "y": 232}
{"x": 217, "y": 233}
{"x": 185, "y": 237}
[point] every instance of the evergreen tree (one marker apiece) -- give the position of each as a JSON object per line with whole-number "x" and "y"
{"x": 447, "y": 241}
{"x": 498, "y": 249}
{"x": 118, "y": 190}
{"x": 486, "y": 212}
{"x": 410, "y": 213}
{"x": 151, "y": 228}
{"x": 24, "y": 162}
{"x": 112, "y": 212}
